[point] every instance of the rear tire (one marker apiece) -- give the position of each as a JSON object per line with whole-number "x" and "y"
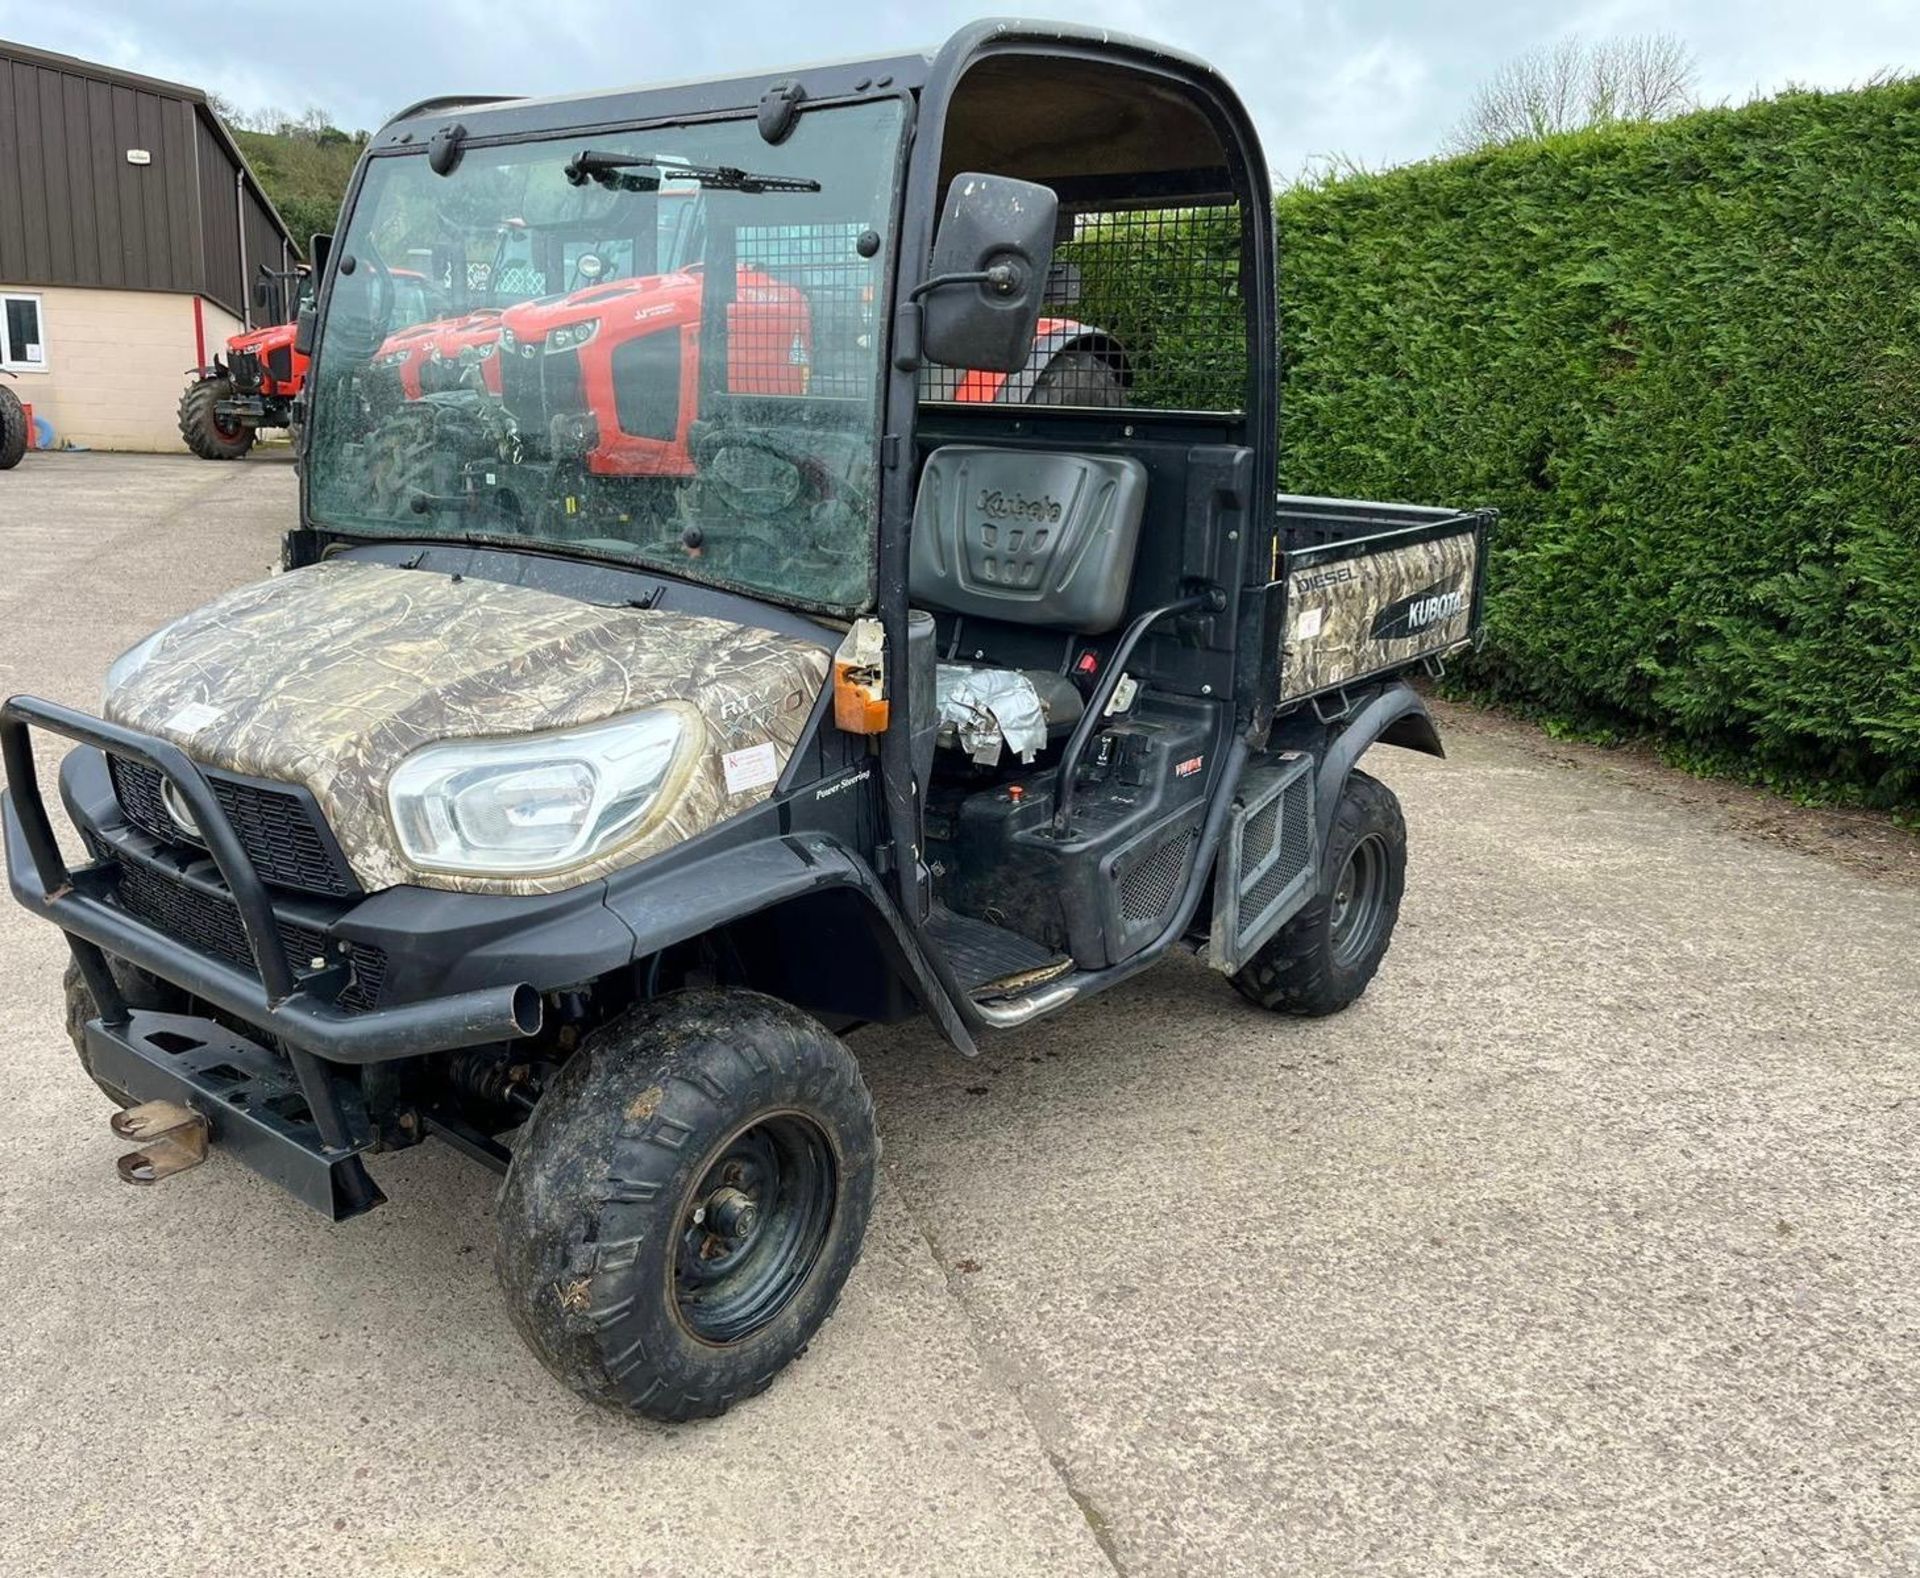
{"x": 140, "y": 991}
{"x": 208, "y": 434}
{"x": 1322, "y": 959}
{"x": 686, "y": 1202}
{"x": 13, "y": 430}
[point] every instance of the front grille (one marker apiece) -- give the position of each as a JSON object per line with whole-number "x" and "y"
{"x": 560, "y": 375}
{"x": 137, "y": 787}
{"x": 210, "y": 923}
{"x": 243, "y": 367}
{"x": 537, "y": 388}
{"x": 520, "y": 389}
{"x": 279, "y": 828}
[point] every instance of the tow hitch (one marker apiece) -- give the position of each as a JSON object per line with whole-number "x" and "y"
{"x": 173, "y": 1138}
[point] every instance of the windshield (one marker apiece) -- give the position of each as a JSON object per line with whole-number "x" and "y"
{"x": 660, "y": 347}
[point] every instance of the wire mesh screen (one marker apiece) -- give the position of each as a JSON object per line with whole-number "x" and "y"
{"x": 804, "y": 312}
{"x": 1144, "y": 309}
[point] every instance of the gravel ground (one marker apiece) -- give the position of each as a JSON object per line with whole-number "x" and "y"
{"x": 1584, "y": 1244}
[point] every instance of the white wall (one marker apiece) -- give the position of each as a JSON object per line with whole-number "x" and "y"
{"x": 116, "y": 362}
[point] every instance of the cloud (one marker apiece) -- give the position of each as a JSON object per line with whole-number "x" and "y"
{"x": 1380, "y": 81}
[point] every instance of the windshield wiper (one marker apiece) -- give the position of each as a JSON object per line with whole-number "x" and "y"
{"x": 609, "y": 169}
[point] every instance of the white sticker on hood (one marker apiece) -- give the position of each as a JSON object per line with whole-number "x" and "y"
{"x": 750, "y": 768}
{"x": 193, "y": 717}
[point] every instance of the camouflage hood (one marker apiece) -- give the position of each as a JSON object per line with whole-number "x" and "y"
{"x": 332, "y": 675}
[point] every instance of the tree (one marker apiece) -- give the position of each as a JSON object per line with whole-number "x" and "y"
{"x": 1574, "y": 83}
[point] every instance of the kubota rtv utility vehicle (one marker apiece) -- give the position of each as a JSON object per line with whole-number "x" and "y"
{"x": 571, "y": 814}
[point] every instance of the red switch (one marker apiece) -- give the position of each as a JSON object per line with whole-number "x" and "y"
{"x": 1089, "y": 664}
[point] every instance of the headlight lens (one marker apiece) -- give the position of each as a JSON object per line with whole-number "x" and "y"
{"x": 131, "y": 661}
{"x": 393, "y": 358}
{"x": 541, "y": 803}
{"x": 573, "y": 334}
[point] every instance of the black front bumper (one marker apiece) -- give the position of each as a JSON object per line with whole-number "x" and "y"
{"x": 299, "y": 1007}
{"x": 283, "y": 1112}
{"x": 253, "y": 1101}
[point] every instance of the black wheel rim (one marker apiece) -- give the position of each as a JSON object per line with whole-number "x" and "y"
{"x": 752, "y": 1226}
{"x": 1359, "y": 901}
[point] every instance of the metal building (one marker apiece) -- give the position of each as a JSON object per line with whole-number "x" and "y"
{"x": 131, "y": 231}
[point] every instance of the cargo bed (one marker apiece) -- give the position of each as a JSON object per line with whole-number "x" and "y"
{"x": 1372, "y": 588}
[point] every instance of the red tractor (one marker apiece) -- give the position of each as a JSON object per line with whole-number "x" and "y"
{"x": 264, "y": 371}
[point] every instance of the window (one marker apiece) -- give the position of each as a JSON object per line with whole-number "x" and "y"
{"x": 682, "y": 371}
{"x": 22, "y": 349}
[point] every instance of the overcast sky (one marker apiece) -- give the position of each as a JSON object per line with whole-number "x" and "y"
{"x": 1381, "y": 81}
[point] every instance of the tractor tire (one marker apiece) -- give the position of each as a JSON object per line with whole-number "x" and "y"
{"x": 140, "y": 991}
{"x": 686, "y": 1202}
{"x": 208, "y": 434}
{"x": 418, "y": 450}
{"x": 1322, "y": 959}
{"x": 13, "y": 430}
{"x": 1078, "y": 378}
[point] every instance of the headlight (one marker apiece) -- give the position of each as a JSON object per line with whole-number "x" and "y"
{"x": 131, "y": 661}
{"x": 481, "y": 353}
{"x": 507, "y": 339}
{"x": 574, "y": 334}
{"x": 539, "y": 803}
{"x": 393, "y": 358}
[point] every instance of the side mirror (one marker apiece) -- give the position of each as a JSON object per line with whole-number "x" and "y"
{"x": 319, "y": 249}
{"x": 991, "y": 256}
{"x": 263, "y": 293}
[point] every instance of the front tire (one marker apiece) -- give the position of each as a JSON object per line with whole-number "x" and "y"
{"x": 140, "y": 991}
{"x": 686, "y": 1203}
{"x": 210, "y": 435}
{"x": 1322, "y": 959}
{"x": 13, "y": 430}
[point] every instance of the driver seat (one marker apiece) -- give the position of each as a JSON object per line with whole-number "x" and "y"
{"x": 1028, "y": 537}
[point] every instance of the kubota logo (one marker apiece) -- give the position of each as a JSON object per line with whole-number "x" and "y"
{"x": 1411, "y": 616}
{"x": 175, "y": 805}
{"x": 998, "y": 506}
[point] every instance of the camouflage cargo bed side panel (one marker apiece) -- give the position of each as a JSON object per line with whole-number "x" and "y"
{"x": 1356, "y": 616}
{"x": 332, "y": 675}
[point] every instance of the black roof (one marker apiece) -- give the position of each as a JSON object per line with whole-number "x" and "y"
{"x": 901, "y": 72}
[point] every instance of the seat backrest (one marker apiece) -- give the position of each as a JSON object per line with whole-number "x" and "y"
{"x": 1034, "y": 537}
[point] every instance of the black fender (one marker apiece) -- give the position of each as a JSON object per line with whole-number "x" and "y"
{"x": 811, "y": 877}
{"x": 1393, "y": 715}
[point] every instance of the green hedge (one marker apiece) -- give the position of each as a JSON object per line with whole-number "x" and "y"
{"x": 1684, "y": 362}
